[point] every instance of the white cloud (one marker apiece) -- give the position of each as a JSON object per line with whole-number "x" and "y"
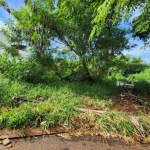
{"x": 147, "y": 59}
{"x": 23, "y": 53}
{"x": 1, "y": 24}
{"x": 135, "y": 14}
{"x": 3, "y": 39}
{"x": 137, "y": 52}
{"x": 144, "y": 53}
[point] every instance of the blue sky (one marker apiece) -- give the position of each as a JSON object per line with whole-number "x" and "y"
{"x": 12, "y": 4}
{"x": 137, "y": 51}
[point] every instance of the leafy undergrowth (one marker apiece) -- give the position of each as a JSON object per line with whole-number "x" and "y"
{"x": 56, "y": 103}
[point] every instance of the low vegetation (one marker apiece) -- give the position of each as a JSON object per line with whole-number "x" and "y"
{"x": 25, "y": 104}
{"x": 74, "y": 59}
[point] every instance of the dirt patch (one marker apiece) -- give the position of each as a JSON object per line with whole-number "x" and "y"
{"x": 131, "y": 103}
{"x": 127, "y": 108}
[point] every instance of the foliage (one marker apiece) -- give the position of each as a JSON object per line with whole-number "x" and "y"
{"x": 5, "y": 63}
{"x": 143, "y": 76}
{"x": 25, "y": 71}
{"x": 93, "y": 56}
{"x": 36, "y": 88}
{"x": 17, "y": 69}
{"x": 142, "y": 83}
{"x": 127, "y": 66}
{"x": 123, "y": 11}
{"x": 127, "y": 69}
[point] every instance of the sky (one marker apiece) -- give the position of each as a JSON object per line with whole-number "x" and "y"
{"x": 138, "y": 51}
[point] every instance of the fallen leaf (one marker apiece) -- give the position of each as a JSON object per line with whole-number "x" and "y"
{"x": 137, "y": 138}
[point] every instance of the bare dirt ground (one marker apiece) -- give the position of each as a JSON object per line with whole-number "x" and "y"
{"x": 54, "y": 142}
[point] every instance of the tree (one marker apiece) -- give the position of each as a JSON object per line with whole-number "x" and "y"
{"x": 122, "y": 10}
{"x": 127, "y": 65}
{"x": 69, "y": 21}
{"x": 95, "y": 54}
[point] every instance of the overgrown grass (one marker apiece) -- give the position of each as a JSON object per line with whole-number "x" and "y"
{"x": 55, "y": 90}
{"x": 54, "y": 113}
{"x": 55, "y": 102}
{"x": 116, "y": 122}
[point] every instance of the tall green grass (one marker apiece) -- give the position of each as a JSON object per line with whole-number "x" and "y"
{"x": 55, "y": 102}
{"x": 58, "y": 101}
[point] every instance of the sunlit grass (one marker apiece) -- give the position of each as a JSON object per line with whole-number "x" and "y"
{"x": 55, "y": 102}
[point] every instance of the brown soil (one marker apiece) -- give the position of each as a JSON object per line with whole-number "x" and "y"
{"x": 126, "y": 108}
{"x": 87, "y": 142}
{"x": 128, "y": 105}
{"x": 131, "y": 103}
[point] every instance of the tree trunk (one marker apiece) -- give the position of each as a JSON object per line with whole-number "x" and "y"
{"x": 57, "y": 73}
{"x": 87, "y": 74}
{"x": 54, "y": 68}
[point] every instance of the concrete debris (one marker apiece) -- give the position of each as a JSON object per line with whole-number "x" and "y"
{"x": 6, "y": 142}
{"x": 9, "y": 146}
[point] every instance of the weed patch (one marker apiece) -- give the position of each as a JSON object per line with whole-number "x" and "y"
{"x": 116, "y": 122}
{"x": 55, "y": 104}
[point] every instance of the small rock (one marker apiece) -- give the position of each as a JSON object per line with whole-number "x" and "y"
{"x": 9, "y": 146}
{"x": 6, "y": 142}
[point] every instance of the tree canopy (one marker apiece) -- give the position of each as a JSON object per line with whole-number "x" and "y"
{"x": 120, "y": 11}
{"x": 40, "y": 24}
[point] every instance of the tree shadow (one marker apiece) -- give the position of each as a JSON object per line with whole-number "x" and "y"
{"x": 98, "y": 90}
{"x": 142, "y": 88}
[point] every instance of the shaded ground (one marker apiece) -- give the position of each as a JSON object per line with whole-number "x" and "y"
{"x": 54, "y": 142}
